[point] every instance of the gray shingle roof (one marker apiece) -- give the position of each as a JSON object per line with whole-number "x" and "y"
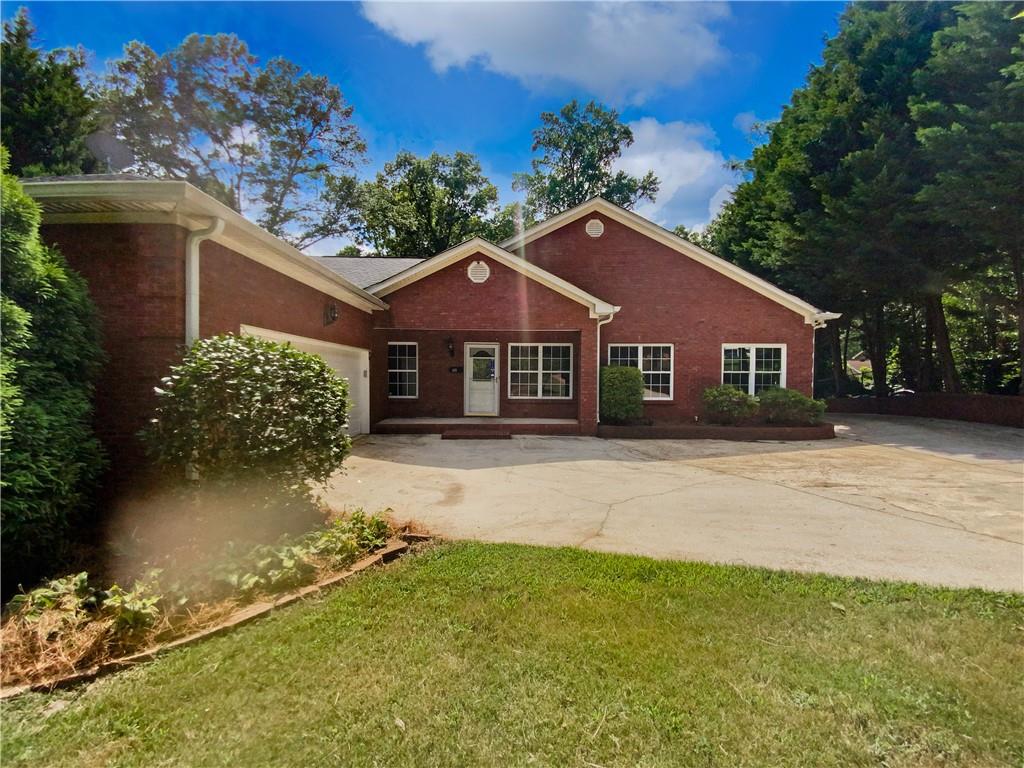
{"x": 366, "y": 270}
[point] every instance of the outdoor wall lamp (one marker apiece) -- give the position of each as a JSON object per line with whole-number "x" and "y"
{"x": 330, "y": 313}
{"x": 450, "y": 343}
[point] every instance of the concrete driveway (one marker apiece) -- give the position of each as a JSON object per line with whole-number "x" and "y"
{"x": 923, "y": 500}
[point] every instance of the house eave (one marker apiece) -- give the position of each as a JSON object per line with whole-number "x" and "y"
{"x": 181, "y": 204}
{"x": 596, "y": 307}
{"x": 670, "y": 239}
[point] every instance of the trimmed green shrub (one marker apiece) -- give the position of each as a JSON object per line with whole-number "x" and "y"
{"x": 241, "y": 412}
{"x": 622, "y": 394}
{"x": 727, "y": 405}
{"x": 787, "y": 406}
{"x": 51, "y": 358}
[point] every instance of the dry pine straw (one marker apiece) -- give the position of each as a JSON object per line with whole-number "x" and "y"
{"x": 57, "y": 645}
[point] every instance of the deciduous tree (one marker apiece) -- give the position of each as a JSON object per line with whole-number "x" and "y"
{"x": 578, "y": 149}
{"x": 271, "y": 141}
{"x": 420, "y": 206}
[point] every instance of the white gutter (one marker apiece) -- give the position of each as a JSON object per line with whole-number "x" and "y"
{"x": 192, "y": 276}
{"x": 601, "y": 321}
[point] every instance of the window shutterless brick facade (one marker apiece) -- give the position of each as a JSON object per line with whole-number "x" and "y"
{"x": 669, "y": 298}
{"x": 445, "y": 310}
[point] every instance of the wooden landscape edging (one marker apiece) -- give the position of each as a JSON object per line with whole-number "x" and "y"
{"x": 392, "y": 549}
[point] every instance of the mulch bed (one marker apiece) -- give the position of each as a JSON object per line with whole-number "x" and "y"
{"x": 394, "y": 548}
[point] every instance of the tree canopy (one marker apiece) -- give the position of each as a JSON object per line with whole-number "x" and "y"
{"x": 839, "y": 204}
{"x": 578, "y": 149}
{"x": 46, "y": 112}
{"x": 268, "y": 139}
{"x": 420, "y": 206}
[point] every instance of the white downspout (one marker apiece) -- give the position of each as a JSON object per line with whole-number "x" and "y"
{"x": 192, "y": 276}
{"x": 601, "y": 321}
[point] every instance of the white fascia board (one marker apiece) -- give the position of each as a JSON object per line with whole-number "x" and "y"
{"x": 597, "y": 307}
{"x": 811, "y": 314}
{"x": 182, "y": 204}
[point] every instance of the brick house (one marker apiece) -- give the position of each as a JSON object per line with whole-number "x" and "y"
{"x": 518, "y": 332}
{"x": 512, "y": 333}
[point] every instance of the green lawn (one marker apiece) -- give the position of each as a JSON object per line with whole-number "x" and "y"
{"x": 495, "y": 655}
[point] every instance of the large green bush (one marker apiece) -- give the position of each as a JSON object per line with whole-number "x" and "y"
{"x": 240, "y": 411}
{"x": 622, "y": 394}
{"x": 728, "y": 405}
{"x": 51, "y": 357}
{"x": 789, "y": 407}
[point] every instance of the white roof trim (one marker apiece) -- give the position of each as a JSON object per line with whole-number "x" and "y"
{"x": 811, "y": 314}
{"x": 598, "y": 308}
{"x": 154, "y": 201}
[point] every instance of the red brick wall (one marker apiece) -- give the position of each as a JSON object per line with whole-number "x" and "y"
{"x": 441, "y": 390}
{"x": 235, "y": 290}
{"x": 136, "y": 276}
{"x": 667, "y": 297}
{"x": 507, "y": 307}
{"x": 1007, "y": 410}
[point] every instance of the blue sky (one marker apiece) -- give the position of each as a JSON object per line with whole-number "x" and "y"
{"x": 688, "y": 77}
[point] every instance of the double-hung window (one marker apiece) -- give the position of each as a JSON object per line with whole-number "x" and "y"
{"x": 540, "y": 371}
{"x": 403, "y": 369}
{"x": 654, "y": 362}
{"x": 754, "y": 367}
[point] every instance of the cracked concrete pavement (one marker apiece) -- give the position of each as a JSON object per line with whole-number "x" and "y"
{"x": 938, "y": 502}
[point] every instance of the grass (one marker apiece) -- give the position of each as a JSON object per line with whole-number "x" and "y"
{"x": 474, "y": 654}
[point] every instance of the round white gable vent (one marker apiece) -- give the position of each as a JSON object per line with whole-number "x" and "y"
{"x": 478, "y": 271}
{"x": 595, "y": 227}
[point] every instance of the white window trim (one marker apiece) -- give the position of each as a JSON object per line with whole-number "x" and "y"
{"x": 753, "y": 362}
{"x": 395, "y": 370}
{"x": 540, "y": 370}
{"x": 640, "y": 357}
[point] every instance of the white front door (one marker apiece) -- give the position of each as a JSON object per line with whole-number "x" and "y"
{"x": 481, "y": 373}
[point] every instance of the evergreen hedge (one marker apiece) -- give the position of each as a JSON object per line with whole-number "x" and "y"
{"x": 51, "y": 358}
{"x": 622, "y": 394}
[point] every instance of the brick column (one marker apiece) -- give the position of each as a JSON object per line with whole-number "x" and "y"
{"x": 587, "y": 380}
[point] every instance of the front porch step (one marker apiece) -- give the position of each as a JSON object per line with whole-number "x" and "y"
{"x": 476, "y": 433}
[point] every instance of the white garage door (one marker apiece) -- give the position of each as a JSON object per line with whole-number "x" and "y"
{"x": 352, "y": 363}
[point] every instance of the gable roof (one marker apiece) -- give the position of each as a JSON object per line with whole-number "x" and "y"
{"x": 366, "y": 270}
{"x": 597, "y": 307}
{"x": 811, "y": 314}
{"x": 127, "y": 198}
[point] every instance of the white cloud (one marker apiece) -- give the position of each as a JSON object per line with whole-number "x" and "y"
{"x": 744, "y": 122}
{"x": 621, "y": 52}
{"x": 695, "y": 182}
{"x": 719, "y": 199}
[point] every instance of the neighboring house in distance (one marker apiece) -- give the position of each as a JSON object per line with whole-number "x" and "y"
{"x": 859, "y": 366}
{"x": 515, "y": 332}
